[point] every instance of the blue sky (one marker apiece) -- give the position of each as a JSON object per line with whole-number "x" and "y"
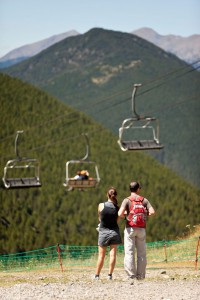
{"x": 24, "y": 22}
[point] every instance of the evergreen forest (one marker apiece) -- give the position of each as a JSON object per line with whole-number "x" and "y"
{"x": 33, "y": 218}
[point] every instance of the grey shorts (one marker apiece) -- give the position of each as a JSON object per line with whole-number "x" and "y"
{"x": 109, "y": 237}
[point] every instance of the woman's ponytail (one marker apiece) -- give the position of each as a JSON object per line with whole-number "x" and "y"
{"x": 112, "y": 195}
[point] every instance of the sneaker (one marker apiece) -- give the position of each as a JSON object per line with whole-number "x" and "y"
{"x": 110, "y": 276}
{"x": 96, "y": 277}
{"x": 131, "y": 279}
{"x": 139, "y": 278}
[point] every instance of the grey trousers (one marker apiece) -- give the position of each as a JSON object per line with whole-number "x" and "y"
{"x": 135, "y": 238}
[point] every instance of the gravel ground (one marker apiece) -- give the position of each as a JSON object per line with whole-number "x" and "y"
{"x": 165, "y": 284}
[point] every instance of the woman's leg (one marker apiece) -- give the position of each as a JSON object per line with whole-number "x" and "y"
{"x": 100, "y": 261}
{"x": 113, "y": 252}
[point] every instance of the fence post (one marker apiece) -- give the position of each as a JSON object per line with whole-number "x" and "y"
{"x": 165, "y": 250}
{"x": 197, "y": 250}
{"x": 59, "y": 256}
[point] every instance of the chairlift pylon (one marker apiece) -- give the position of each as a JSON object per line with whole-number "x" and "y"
{"x": 21, "y": 165}
{"x": 91, "y": 182}
{"x": 140, "y": 124}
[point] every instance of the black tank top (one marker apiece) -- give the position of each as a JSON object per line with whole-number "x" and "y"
{"x": 109, "y": 215}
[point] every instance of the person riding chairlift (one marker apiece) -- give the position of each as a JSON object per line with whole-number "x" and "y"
{"x": 82, "y": 175}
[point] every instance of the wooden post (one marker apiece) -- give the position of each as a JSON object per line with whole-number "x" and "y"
{"x": 165, "y": 250}
{"x": 59, "y": 256}
{"x": 197, "y": 250}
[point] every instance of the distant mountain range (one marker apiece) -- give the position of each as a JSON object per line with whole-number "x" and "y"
{"x": 22, "y": 53}
{"x": 185, "y": 48}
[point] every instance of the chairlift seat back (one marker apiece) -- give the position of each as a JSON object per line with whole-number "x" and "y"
{"x": 142, "y": 142}
{"x": 139, "y": 122}
{"x": 12, "y": 183}
{"x": 25, "y": 173}
{"x": 140, "y": 145}
{"x": 85, "y": 183}
{"x": 76, "y": 183}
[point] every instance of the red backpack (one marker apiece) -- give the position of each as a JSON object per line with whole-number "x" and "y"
{"x": 138, "y": 212}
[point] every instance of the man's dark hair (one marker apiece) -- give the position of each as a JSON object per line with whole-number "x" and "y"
{"x": 134, "y": 186}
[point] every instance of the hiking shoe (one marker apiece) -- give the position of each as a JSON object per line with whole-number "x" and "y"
{"x": 139, "y": 278}
{"x": 132, "y": 277}
{"x": 110, "y": 276}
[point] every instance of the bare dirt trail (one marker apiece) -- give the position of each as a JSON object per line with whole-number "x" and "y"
{"x": 164, "y": 284}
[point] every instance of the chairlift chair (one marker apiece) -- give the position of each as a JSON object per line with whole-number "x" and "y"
{"x": 21, "y": 166}
{"x": 140, "y": 124}
{"x": 72, "y": 183}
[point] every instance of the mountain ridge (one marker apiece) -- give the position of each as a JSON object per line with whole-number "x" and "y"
{"x": 186, "y": 48}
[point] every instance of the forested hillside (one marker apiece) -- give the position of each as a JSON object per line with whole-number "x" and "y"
{"x": 95, "y": 73}
{"x": 39, "y": 217}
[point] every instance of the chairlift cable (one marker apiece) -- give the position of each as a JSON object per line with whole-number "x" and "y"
{"x": 47, "y": 145}
{"x": 162, "y": 107}
{"x": 112, "y": 96}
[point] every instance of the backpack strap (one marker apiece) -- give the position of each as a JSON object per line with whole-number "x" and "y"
{"x": 136, "y": 199}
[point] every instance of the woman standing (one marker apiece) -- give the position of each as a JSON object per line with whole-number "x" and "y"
{"x": 109, "y": 234}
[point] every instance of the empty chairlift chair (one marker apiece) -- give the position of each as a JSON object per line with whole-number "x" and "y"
{"x": 25, "y": 171}
{"x": 147, "y": 129}
{"x": 72, "y": 183}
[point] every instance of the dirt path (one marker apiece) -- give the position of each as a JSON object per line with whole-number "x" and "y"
{"x": 165, "y": 284}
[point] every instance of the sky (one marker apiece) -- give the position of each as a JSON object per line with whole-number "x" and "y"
{"x": 24, "y": 22}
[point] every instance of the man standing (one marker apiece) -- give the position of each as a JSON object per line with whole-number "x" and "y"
{"x": 136, "y": 208}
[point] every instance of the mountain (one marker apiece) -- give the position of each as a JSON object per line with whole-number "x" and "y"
{"x": 33, "y": 218}
{"x": 186, "y": 48}
{"x": 22, "y": 53}
{"x": 95, "y": 72}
